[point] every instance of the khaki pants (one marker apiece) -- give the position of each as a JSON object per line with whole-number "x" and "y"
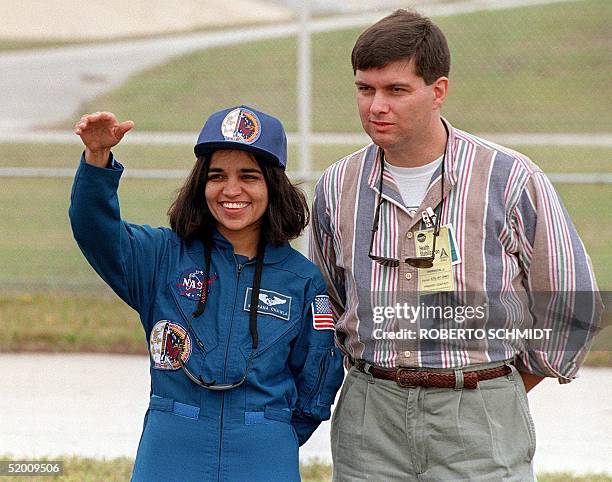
{"x": 383, "y": 432}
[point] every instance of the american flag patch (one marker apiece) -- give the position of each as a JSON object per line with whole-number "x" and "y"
{"x": 322, "y": 318}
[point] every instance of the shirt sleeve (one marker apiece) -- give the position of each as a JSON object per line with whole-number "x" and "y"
{"x": 322, "y": 251}
{"x": 559, "y": 279}
{"x": 126, "y": 256}
{"x": 316, "y": 365}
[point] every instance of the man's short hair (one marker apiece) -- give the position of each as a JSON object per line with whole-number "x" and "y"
{"x": 403, "y": 35}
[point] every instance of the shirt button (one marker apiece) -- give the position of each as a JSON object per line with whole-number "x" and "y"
{"x": 407, "y": 354}
{"x": 409, "y": 234}
{"x": 408, "y": 276}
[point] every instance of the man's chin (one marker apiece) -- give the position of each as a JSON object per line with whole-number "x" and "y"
{"x": 381, "y": 140}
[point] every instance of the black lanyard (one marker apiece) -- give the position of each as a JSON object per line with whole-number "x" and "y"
{"x": 252, "y": 318}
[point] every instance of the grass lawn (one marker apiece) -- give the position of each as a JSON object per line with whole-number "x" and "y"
{"x": 73, "y": 322}
{"x": 78, "y": 469}
{"x": 37, "y": 248}
{"x": 531, "y": 69}
{"x": 51, "y": 300}
{"x": 569, "y": 159}
{"x": 68, "y": 322}
{"x": 167, "y": 156}
{"x": 549, "y": 158}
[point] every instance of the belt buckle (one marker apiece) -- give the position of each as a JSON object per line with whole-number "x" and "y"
{"x": 398, "y": 377}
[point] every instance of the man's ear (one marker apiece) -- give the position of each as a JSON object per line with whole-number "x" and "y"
{"x": 440, "y": 89}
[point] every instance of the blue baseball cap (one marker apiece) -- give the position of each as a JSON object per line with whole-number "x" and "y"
{"x": 246, "y": 129}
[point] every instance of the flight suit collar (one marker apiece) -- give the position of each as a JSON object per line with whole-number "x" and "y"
{"x": 274, "y": 253}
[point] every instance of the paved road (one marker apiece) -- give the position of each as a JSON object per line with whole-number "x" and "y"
{"x": 93, "y": 405}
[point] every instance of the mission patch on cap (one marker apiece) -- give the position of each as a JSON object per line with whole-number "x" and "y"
{"x": 241, "y": 125}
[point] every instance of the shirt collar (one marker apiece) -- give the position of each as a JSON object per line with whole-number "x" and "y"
{"x": 390, "y": 189}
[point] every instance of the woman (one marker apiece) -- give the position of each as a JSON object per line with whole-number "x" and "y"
{"x": 239, "y": 327}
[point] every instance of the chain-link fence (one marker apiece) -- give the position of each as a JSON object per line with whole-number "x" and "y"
{"x": 533, "y": 77}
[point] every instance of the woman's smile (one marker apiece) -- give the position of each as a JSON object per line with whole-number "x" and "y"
{"x": 237, "y": 195}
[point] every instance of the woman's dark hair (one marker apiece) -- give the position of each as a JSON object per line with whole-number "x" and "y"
{"x": 285, "y": 217}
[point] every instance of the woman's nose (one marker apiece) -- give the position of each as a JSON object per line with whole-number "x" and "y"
{"x": 232, "y": 187}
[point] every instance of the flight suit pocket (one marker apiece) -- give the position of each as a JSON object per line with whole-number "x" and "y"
{"x": 169, "y": 441}
{"x": 328, "y": 379}
{"x": 269, "y": 415}
{"x": 270, "y": 330}
{"x": 205, "y": 339}
{"x": 172, "y": 406}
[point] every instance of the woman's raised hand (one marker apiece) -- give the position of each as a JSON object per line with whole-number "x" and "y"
{"x": 100, "y": 132}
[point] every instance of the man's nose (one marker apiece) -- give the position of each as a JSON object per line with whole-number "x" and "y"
{"x": 379, "y": 105}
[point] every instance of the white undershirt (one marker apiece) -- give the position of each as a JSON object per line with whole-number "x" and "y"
{"x": 413, "y": 182}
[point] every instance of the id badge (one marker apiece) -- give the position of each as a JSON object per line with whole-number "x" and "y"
{"x": 440, "y": 276}
{"x": 455, "y": 256}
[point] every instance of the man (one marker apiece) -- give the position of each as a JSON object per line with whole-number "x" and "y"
{"x": 457, "y": 276}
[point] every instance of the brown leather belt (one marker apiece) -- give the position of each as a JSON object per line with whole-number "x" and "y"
{"x": 417, "y": 377}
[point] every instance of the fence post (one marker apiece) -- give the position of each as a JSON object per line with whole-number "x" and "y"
{"x": 304, "y": 88}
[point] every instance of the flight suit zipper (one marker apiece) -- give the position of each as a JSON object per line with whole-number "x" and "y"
{"x": 239, "y": 268}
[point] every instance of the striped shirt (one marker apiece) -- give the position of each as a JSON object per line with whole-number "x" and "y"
{"x": 524, "y": 287}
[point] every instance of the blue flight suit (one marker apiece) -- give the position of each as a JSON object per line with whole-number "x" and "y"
{"x": 249, "y": 433}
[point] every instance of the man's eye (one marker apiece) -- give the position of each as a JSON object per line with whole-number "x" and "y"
{"x": 363, "y": 88}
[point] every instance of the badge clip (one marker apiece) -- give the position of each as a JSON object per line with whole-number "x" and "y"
{"x": 426, "y": 218}
{"x": 432, "y": 215}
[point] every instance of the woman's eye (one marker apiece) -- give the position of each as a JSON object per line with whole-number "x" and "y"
{"x": 215, "y": 177}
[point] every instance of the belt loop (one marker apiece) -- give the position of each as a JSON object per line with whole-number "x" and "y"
{"x": 458, "y": 379}
{"x": 366, "y": 370}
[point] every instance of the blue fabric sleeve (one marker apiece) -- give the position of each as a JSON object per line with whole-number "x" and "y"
{"x": 126, "y": 256}
{"x": 317, "y": 367}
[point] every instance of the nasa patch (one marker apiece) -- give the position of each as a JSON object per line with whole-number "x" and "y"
{"x": 168, "y": 342}
{"x": 241, "y": 125}
{"x": 189, "y": 283}
{"x": 270, "y": 303}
